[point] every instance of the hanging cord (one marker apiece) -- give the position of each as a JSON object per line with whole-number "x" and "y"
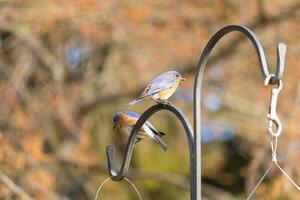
{"x": 260, "y": 181}
{"x": 131, "y": 183}
{"x": 274, "y": 159}
{"x": 273, "y": 119}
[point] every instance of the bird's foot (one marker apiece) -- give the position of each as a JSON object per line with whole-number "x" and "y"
{"x": 164, "y": 103}
{"x": 167, "y": 103}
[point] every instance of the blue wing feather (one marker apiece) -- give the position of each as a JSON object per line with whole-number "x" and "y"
{"x": 132, "y": 114}
{"x": 161, "y": 82}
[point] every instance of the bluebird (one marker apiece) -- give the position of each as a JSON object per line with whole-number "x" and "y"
{"x": 125, "y": 120}
{"x": 161, "y": 88}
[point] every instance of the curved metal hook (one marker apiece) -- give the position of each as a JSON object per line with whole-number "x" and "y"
{"x": 118, "y": 176}
{"x": 281, "y": 51}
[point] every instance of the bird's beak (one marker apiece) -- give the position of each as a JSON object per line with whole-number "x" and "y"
{"x": 182, "y": 79}
{"x": 114, "y": 126}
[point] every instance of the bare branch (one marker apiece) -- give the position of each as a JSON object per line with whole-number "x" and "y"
{"x": 14, "y": 187}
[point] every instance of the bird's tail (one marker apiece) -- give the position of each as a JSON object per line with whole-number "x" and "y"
{"x": 156, "y": 132}
{"x": 160, "y": 134}
{"x": 160, "y": 142}
{"x": 135, "y": 101}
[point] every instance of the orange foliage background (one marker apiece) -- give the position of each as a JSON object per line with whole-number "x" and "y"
{"x": 67, "y": 66}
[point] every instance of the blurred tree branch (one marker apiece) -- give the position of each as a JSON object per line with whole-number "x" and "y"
{"x": 14, "y": 187}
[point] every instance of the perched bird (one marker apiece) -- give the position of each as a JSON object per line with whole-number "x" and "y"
{"x": 125, "y": 120}
{"x": 161, "y": 88}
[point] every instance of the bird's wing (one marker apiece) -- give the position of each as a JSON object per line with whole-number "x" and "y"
{"x": 158, "y": 84}
{"x": 147, "y": 123}
{"x": 132, "y": 118}
{"x": 132, "y": 114}
{"x": 154, "y": 130}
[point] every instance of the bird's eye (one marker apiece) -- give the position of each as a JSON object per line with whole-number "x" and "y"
{"x": 115, "y": 119}
{"x": 177, "y": 75}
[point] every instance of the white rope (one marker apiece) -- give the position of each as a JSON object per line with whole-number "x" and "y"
{"x": 131, "y": 183}
{"x": 100, "y": 187}
{"x": 134, "y": 187}
{"x": 274, "y": 142}
{"x": 259, "y": 182}
{"x": 274, "y": 159}
{"x": 287, "y": 176}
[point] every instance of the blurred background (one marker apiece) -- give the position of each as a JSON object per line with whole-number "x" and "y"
{"x": 67, "y": 66}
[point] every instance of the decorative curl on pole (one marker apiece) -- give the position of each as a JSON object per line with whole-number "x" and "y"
{"x": 118, "y": 176}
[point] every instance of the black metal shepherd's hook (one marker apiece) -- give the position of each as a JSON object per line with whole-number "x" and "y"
{"x": 194, "y": 140}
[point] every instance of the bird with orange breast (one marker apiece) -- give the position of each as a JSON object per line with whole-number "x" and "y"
{"x": 161, "y": 88}
{"x": 125, "y": 120}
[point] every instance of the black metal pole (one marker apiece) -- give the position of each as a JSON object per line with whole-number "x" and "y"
{"x": 281, "y": 50}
